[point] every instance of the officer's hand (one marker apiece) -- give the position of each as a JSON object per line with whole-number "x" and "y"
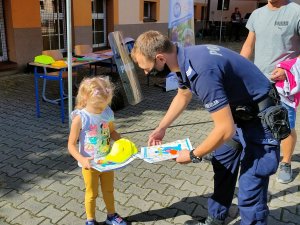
{"x": 278, "y": 74}
{"x": 183, "y": 157}
{"x": 155, "y": 138}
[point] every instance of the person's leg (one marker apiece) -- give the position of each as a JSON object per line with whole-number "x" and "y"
{"x": 237, "y": 34}
{"x": 234, "y": 30}
{"x": 225, "y": 163}
{"x": 259, "y": 162}
{"x": 107, "y": 188}
{"x": 91, "y": 181}
{"x": 287, "y": 146}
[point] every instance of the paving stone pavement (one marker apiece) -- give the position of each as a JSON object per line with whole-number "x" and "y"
{"x": 40, "y": 182}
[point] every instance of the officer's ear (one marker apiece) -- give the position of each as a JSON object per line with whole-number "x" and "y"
{"x": 161, "y": 58}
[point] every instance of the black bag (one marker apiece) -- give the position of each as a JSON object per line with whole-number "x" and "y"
{"x": 276, "y": 118}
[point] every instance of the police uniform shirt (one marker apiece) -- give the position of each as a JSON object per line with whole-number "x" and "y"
{"x": 219, "y": 76}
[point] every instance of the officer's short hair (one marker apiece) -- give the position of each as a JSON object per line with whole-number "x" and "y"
{"x": 150, "y": 43}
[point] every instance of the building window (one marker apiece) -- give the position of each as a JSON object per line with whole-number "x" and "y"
{"x": 99, "y": 23}
{"x": 149, "y": 10}
{"x": 53, "y": 24}
{"x": 226, "y": 4}
{"x": 3, "y": 49}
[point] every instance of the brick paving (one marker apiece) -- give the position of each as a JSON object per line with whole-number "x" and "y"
{"x": 40, "y": 182}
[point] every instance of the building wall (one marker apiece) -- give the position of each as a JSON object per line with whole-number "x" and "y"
{"x": 82, "y": 22}
{"x": 129, "y": 11}
{"x": 134, "y": 30}
{"x": 131, "y": 22}
{"x": 22, "y": 20}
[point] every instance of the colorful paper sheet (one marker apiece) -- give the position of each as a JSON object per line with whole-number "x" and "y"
{"x": 110, "y": 165}
{"x": 164, "y": 152}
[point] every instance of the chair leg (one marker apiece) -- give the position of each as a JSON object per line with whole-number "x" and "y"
{"x": 53, "y": 101}
{"x": 61, "y": 92}
{"x": 44, "y": 90}
{"x": 37, "y": 102}
{"x": 91, "y": 70}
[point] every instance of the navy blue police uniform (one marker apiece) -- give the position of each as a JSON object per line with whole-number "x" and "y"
{"x": 218, "y": 77}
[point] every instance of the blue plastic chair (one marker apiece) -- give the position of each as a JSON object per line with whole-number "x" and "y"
{"x": 129, "y": 43}
{"x": 54, "y": 76}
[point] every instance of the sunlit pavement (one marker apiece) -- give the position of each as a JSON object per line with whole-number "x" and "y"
{"x": 41, "y": 183}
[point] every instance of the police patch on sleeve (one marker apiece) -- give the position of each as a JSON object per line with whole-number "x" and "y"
{"x": 211, "y": 104}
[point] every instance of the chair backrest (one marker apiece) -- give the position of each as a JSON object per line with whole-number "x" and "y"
{"x": 129, "y": 42}
{"x": 83, "y": 49}
{"x": 55, "y": 54}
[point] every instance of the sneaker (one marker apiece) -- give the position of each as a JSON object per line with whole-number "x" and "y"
{"x": 285, "y": 174}
{"x": 91, "y": 222}
{"x": 115, "y": 220}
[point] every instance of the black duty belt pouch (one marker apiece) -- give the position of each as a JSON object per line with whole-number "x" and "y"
{"x": 276, "y": 119}
{"x": 243, "y": 113}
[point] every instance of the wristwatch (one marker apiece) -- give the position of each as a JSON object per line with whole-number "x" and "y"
{"x": 195, "y": 159}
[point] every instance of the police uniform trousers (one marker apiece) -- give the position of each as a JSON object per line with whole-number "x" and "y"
{"x": 257, "y": 159}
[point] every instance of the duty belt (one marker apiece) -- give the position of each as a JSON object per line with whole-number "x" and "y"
{"x": 266, "y": 103}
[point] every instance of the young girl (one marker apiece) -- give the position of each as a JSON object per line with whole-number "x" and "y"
{"x": 92, "y": 124}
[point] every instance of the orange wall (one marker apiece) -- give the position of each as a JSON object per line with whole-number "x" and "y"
{"x": 116, "y": 11}
{"x": 197, "y": 7}
{"x": 82, "y": 12}
{"x": 25, "y": 14}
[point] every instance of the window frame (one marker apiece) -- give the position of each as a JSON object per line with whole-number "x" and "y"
{"x": 226, "y": 5}
{"x": 98, "y": 15}
{"x": 153, "y": 10}
{"x": 58, "y": 18}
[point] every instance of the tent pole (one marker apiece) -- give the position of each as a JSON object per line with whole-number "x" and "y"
{"x": 69, "y": 59}
{"x": 221, "y": 22}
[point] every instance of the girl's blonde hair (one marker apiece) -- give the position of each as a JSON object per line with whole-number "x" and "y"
{"x": 98, "y": 89}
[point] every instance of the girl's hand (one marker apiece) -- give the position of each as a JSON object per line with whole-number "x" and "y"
{"x": 85, "y": 162}
{"x": 183, "y": 157}
{"x": 155, "y": 138}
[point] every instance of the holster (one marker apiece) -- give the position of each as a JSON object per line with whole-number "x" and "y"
{"x": 269, "y": 110}
{"x": 276, "y": 118}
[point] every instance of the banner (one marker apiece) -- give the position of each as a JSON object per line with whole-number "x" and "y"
{"x": 181, "y": 22}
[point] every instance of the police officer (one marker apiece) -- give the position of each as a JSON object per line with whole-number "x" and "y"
{"x": 234, "y": 91}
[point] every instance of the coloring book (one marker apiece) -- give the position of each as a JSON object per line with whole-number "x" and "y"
{"x": 106, "y": 166}
{"x": 163, "y": 152}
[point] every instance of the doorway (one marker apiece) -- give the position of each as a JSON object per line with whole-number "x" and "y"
{"x": 3, "y": 48}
